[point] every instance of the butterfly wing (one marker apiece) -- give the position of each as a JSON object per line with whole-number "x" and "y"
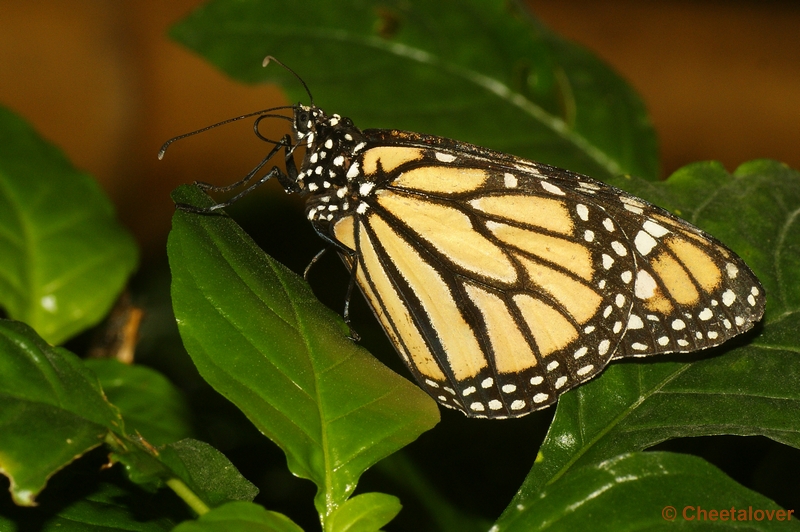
{"x": 504, "y": 283}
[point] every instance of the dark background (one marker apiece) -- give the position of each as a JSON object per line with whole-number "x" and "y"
{"x": 101, "y": 80}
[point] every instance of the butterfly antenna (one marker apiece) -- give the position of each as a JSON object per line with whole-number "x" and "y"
{"x": 269, "y": 59}
{"x": 228, "y": 121}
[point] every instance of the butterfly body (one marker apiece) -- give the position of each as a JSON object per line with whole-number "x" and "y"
{"x": 502, "y": 282}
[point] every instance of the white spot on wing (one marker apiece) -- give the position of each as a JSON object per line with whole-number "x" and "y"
{"x": 635, "y": 322}
{"x": 645, "y": 285}
{"x": 644, "y": 243}
{"x": 602, "y": 347}
{"x": 654, "y": 229}
{"x": 365, "y": 188}
{"x": 583, "y": 212}
{"x": 728, "y": 297}
{"x": 445, "y": 157}
{"x": 552, "y": 188}
{"x": 510, "y": 180}
{"x": 352, "y": 171}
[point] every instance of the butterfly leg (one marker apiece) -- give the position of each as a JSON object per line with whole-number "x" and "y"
{"x": 353, "y": 260}
{"x": 314, "y": 261}
{"x": 285, "y": 180}
{"x": 353, "y": 335}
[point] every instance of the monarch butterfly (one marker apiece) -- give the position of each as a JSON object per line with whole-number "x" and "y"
{"x": 502, "y": 282}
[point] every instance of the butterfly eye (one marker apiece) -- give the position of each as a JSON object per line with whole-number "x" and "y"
{"x": 302, "y": 120}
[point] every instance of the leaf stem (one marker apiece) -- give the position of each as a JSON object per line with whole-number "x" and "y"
{"x": 188, "y": 496}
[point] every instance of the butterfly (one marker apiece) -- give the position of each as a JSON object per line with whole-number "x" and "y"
{"x": 501, "y": 282}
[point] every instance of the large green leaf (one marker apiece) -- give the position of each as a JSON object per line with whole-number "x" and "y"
{"x": 475, "y": 70}
{"x": 63, "y": 256}
{"x": 647, "y": 491}
{"x": 259, "y": 336}
{"x": 749, "y": 386}
{"x": 53, "y": 410}
{"x": 150, "y": 404}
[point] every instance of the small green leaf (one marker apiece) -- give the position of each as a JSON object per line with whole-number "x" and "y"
{"x": 240, "y": 517}
{"x": 63, "y": 256}
{"x": 204, "y": 471}
{"x": 259, "y": 336}
{"x": 149, "y": 403}
{"x": 748, "y": 386}
{"x": 645, "y": 491}
{"x": 367, "y": 512}
{"x": 53, "y": 410}
{"x": 474, "y": 70}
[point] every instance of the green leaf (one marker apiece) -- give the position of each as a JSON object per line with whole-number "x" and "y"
{"x": 149, "y": 403}
{"x": 205, "y": 477}
{"x": 53, "y": 410}
{"x": 63, "y": 256}
{"x": 367, "y": 512}
{"x": 748, "y": 386}
{"x": 240, "y": 516}
{"x": 259, "y": 336}
{"x": 474, "y": 70}
{"x": 108, "y": 508}
{"x": 639, "y": 491}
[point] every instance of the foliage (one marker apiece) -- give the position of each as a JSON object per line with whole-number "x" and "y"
{"x": 478, "y": 71}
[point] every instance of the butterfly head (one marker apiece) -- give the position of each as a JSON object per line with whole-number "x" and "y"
{"x": 330, "y": 172}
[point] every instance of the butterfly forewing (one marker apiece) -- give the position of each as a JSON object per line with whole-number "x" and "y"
{"x": 502, "y": 282}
